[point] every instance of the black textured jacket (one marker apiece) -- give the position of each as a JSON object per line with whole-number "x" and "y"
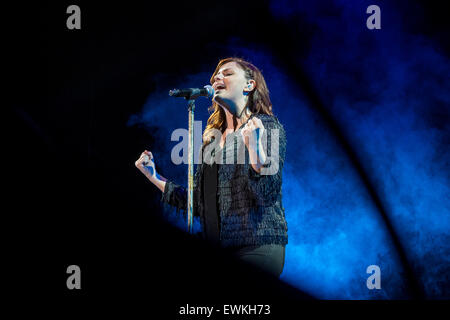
{"x": 249, "y": 203}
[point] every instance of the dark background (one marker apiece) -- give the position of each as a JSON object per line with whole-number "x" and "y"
{"x": 77, "y": 196}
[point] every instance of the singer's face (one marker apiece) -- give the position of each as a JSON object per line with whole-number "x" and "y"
{"x": 230, "y": 87}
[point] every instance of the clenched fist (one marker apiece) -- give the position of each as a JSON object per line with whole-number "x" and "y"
{"x": 145, "y": 163}
{"x": 252, "y": 132}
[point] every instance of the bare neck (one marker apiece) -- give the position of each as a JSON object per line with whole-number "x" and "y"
{"x": 230, "y": 120}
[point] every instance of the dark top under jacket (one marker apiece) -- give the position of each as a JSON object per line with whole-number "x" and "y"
{"x": 249, "y": 204}
{"x": 211, "y": 227}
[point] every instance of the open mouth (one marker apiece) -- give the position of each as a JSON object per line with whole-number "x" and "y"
{"x": 220, "y": 87}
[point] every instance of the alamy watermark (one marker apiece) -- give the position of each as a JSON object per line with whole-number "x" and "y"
{"x": 374, "y": 20}
{"x": 74, "y": 20}
{"x": 213, "y": 152}
{"x": 74, "y": 280}
{"x": 374, "y": 280}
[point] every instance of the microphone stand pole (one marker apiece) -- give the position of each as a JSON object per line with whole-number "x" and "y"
{"x": 190, "y": 195}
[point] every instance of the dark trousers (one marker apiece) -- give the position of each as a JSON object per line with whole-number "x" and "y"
{"x": 268, "y": 257}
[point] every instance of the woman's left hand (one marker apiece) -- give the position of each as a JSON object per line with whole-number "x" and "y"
{"x": 252, "y": 132}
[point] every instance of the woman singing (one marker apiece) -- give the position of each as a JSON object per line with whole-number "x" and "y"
{"x": 237, "y": 186}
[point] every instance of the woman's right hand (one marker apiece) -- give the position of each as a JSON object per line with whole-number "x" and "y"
{"x": 146, "y": 164}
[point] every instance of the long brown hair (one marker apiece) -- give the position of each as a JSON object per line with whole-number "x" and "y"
{"x": 258, "y": 99}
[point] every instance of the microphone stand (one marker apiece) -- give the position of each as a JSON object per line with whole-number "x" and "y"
{"x": 191, "y": 95}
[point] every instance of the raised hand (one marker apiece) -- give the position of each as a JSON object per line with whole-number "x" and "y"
{"x": 252, "y": 134}
{"x": 146, "y": 163}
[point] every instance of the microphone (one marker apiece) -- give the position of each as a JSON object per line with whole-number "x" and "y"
{"x": 193, "y": 93}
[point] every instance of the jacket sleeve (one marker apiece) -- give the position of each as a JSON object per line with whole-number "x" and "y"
{"x": 176, "y": 195}
{"x": 267, "y": 184}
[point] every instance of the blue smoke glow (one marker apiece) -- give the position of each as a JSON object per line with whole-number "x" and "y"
{"x": 388, "y": 90}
